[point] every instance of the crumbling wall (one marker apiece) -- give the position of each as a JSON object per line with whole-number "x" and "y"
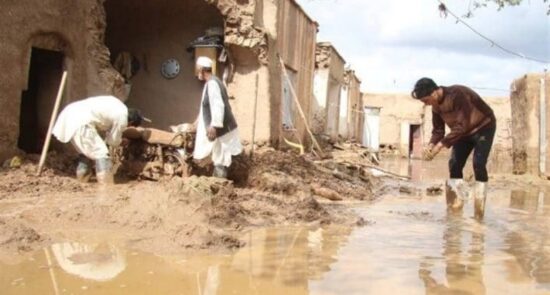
{"x": 354, "y": 116}
{"x": 242, "y": 28}
{"x": 525, "y": 104}
{"x": 253, "y": 35}
{"x": 103, "y": 78}
{"x": 72, "y": 27}
{"x": 329, "y": 79}
{"x": 320, "y": 89}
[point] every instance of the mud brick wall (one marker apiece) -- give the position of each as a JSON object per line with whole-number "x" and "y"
{"x": 525, "y": 104}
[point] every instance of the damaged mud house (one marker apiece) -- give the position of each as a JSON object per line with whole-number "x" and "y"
{"x": 146, "y": 57}
{"x": 144, "y": 52}
{"x": 289, "y": 93}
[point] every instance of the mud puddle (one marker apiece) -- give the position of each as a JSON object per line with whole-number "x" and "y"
{"x": 409, "y": 245}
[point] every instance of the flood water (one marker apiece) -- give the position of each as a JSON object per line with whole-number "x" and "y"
{"x": 409, "y": 246}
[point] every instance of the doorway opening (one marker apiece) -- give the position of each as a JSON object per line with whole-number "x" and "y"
{"x": 415, "y": 141}
{"x": 37, "y": 101}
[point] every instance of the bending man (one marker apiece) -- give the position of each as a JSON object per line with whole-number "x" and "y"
{"x": 217, "y": 132}
{"x": 81, "y": 123}
{"x": 472, "y": 124}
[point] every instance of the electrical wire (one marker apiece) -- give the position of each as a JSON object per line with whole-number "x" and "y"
{"x": 446, "y": 11}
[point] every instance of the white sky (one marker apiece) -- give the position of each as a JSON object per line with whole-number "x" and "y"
{"x": 393, "y": 43}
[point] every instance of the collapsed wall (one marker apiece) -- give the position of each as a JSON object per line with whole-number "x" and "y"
{"x": 328, "y": 85}
{"x": 355, "y": 113}
{"x": 319, "y": 107}
{"x": 76, "y": 30}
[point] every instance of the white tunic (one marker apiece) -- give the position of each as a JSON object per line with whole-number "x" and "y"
{"x": 222, "y": 148}
{"x": 80, "y": 122}
{"x": 104, "y": 113}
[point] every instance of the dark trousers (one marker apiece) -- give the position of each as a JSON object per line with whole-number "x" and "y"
{"x": 481, "y": 143}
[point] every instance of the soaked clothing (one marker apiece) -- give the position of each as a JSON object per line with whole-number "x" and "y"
{"x": 481, "y": 143}
{"x": 463, "y": 111}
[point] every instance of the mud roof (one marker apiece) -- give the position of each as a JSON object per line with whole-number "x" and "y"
{"x": 328, "y": 44}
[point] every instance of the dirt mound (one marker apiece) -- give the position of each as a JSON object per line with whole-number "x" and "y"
{"x": 22, "y": 181}
{"x": 175, "y": 214}
{"x": 15, "y": 235}
{"x": 288, "y": 173}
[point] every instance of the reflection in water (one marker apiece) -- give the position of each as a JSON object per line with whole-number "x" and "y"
{"x": 98, "y": 262}
{"x": 532, "y": 202}
{"x": 410, "y": 246}
{"x": 530, "y": 243}
{"x": 463, "y": 264}
{"x": 276, "y": 261}
{"x": 289, "y": 256}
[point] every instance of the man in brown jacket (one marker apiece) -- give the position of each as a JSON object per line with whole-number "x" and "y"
{"x": 472, "y": 126}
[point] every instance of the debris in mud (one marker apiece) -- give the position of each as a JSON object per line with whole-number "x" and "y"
{"x": 434, "y": 190}
{"x": 288, "y": 173}
{"x": 18, "y": 236}
{"x": 23, "y": 182}
{"x": 406, "y": 190}
{"x": 422, "y": 215}
{"x": 409, "y": 190}
{"x": 361, "y": 222}
{"x": 194, "y": 212}
{"x": 326, "y": 193}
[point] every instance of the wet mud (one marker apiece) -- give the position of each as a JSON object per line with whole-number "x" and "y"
{"x": 404, "y": 241}
{"x": 173, "y": 215}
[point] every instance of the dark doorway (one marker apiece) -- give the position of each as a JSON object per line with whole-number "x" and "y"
{"x": 415, "y": 141}
{"x": 37, "y": 101}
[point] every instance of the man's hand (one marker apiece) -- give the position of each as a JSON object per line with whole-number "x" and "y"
{"x": 431, "y": 151}
{"x": 428, "y": 155}
{"x": 211, "y": 133}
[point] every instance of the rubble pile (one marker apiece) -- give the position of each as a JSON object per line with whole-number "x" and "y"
{"x": 175, "y": 214}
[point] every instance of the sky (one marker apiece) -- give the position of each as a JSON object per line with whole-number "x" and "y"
{"x": 392, "y": 43}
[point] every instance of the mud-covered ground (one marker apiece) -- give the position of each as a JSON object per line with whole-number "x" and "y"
{"x": 175, "y": 215}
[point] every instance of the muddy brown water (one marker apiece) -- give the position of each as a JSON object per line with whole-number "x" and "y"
{"x": 409, "y": 246}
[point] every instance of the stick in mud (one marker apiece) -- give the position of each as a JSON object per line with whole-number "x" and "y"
{"x": 52, "y": 121}
{"x": 295, "y": 96}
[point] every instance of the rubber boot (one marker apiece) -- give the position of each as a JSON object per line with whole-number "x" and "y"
{"x": 480, "y": 196}
{"x": 454, "y": 193}
{"x": 103, "y": 171}
{"x": 83, "y": 171}
{"x": 220, "y": 171}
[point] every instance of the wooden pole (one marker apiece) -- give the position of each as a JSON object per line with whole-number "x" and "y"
{"x": 52, "y": 121}
{"x": 254, "y": 120}
{"x": 300, "y": 110}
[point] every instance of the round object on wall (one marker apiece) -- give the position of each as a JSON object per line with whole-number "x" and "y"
{"x": 170, "y": 68}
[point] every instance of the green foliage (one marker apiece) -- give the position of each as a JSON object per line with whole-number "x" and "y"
{"x": 475, "y": 4}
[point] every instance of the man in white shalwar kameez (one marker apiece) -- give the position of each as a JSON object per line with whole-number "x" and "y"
{"x": 217, "y": 133}
{"x": 82, "y": 121}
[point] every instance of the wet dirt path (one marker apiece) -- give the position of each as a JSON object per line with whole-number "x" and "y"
{"x": 409, "y": 245}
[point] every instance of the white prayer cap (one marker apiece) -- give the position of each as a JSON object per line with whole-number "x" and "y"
{"x": 204, "y": 62}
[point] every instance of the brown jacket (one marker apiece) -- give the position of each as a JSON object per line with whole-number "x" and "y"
{"x": 463, "y": 111}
